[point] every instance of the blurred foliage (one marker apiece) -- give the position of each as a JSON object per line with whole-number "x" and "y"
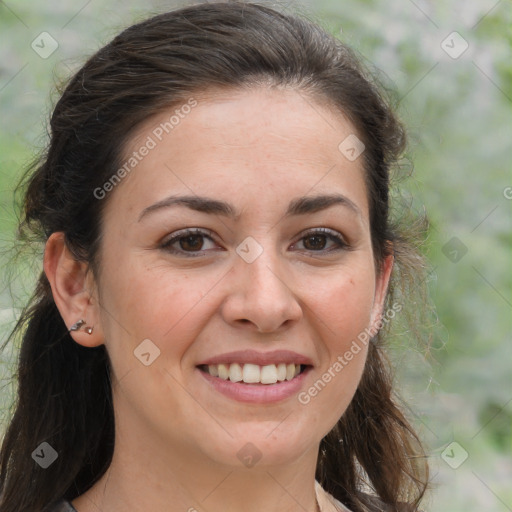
{"x": 458, "y": 112}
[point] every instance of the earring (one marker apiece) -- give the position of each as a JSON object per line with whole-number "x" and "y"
{"x": 77, "y": 326}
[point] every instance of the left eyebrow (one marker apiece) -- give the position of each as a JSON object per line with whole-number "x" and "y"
{"x": 299, "y": 206}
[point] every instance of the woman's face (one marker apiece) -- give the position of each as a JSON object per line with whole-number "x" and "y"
{"x": 267, "y": 277}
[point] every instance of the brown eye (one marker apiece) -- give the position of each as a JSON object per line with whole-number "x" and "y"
{"x": 192, "y": 243}
{"x": 317, "y": 240}
{"x": 188, "y": 242}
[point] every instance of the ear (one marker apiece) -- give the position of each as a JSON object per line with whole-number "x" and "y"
{"x": 73, "y": 290}
{"x": 381, "y": 288}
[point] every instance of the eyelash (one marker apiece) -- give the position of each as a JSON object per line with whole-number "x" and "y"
{"x": 330, "y": 234}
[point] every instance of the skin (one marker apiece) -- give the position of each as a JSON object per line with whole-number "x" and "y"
{"x": 177, "y": 439}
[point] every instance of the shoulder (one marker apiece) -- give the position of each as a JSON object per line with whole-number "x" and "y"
{"x": 60, "y": 506}
{"x": 327, "y": 502}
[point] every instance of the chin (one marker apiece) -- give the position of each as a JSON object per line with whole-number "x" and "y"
{"x": 253, "y": 446}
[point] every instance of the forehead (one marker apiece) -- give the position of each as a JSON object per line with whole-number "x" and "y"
{"x": 251, "y": 144}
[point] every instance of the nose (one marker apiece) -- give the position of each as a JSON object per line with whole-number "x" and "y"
{"x": 261, "y": 294}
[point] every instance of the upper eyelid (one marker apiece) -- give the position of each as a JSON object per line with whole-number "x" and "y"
{"x": 187, "y": 232}
{"x": 323, "y": 230}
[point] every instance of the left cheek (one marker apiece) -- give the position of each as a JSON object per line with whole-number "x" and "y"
{"x": 345, "y": 307}
{"x": 344, "y": 314}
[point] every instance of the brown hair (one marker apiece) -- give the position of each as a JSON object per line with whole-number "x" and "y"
{"x": 372, "y": 459}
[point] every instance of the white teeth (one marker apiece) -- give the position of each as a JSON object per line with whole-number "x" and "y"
{"x": 269, "y": 374}
{"x": 223, "y": 371}
{"x": 235, "y": 373}
{"x": 253, "y": 373}
{"x": 281, "y": 372}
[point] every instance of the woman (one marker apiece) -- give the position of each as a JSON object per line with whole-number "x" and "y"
{"x": 219, "y": 267}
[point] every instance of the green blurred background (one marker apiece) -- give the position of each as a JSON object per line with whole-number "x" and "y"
{"x": 454, "y": 93}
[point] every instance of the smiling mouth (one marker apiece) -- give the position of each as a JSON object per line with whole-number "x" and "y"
{"x": 255, "y": 374}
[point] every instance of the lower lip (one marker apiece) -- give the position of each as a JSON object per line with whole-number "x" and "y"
{"x": 257, "y": 393}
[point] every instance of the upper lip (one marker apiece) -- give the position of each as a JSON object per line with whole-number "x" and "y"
{"x": 259, "y": 358}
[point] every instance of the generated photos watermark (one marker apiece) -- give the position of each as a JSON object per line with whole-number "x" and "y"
{"x": 343, "y": 360}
